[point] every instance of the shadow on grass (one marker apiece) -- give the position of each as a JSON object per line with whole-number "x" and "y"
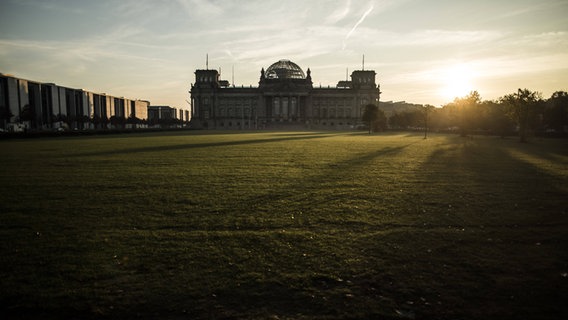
{"x": 499, "y": 218}
{"x": 488, "y": 168}
{"x": 337, "y": 174}
{"x": 485, "y": 240}
{"x": 280, "y": 138}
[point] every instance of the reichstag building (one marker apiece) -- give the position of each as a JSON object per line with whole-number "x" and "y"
{"x": 284, "y": 99}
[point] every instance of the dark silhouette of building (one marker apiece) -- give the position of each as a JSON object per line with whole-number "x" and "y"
{"x": 284, "y": 99}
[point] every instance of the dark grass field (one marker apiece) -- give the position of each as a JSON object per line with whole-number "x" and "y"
{"x": 276, "y": 225}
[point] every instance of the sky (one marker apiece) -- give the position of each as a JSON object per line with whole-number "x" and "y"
{"x": 424, "y": 51}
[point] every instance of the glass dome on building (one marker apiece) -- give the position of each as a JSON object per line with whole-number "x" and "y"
{"x": 285, "y": 69}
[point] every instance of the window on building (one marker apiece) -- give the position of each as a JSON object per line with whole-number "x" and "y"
{"x": 276, "y": 106}
{"x": 293, "y": 106}
{"x": 285, "y": 106}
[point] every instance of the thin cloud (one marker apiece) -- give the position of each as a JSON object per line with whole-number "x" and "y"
{"x": 51, "y": 6}
{"x": 299, "y": 43}
{"x": 339, "y": 14}
{"x": 198, "y": 8}
{"x": 34, "y": 45}
{"x": 557, "y": 39}
{"x": 357, "y": 24}
{"x": 445, "y": 37}
{"x": 378, "y": 38}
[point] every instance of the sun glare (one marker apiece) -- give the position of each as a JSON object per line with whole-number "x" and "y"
{"x": 456, "y": 81}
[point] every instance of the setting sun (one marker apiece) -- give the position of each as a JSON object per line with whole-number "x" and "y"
{"x": 457, "y": 81}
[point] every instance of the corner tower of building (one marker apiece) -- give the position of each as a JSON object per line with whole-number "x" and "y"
{"x": 206, "y": 78}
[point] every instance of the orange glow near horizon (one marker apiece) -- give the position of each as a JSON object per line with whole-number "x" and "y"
{"x": 457, "y": 81}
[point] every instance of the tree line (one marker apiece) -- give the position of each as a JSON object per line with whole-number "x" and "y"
{"x": 523, "y": 113}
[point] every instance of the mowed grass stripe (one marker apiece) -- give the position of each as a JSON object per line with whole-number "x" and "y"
{"x": 283, "y": 224}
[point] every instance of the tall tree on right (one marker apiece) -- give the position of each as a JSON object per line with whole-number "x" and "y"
{"x": 556, "y": 112}
{"x": 523, "y": 107}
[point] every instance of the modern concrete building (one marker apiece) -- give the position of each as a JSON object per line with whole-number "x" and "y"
{"x": 158, "y": 113}
{"x": 167, "y": 117}
{"x": 26, "y": 104}
{"x": 285, "y": 98}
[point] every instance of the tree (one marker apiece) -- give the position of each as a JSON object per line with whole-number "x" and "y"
{"x": 117, "y": 122}
{"x": 427, "y": 109}
{"x": 82, "y": 120}
{"x": 104, "y": 122}
{"x": 134, "y": 121}
{"x": 522, "y": 107}
{"x": 498, "y": 122}
{"x": 374, "y": 118}
{"x": 467, "y": 107}
{"x": 27, "y": 113}
{"x": 381, "y": 121}
{"x": 556, "y": 112}
{"x": 5, "y": 116}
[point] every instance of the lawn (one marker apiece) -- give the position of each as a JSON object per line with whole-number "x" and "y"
{"x": 283, "y": 225}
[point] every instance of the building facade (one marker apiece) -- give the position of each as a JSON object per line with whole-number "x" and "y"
{"x": 26, "y": 104}
{"x": 285, "y": 98}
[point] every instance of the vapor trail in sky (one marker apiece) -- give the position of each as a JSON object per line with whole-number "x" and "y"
{"x": 357, "y": 24}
